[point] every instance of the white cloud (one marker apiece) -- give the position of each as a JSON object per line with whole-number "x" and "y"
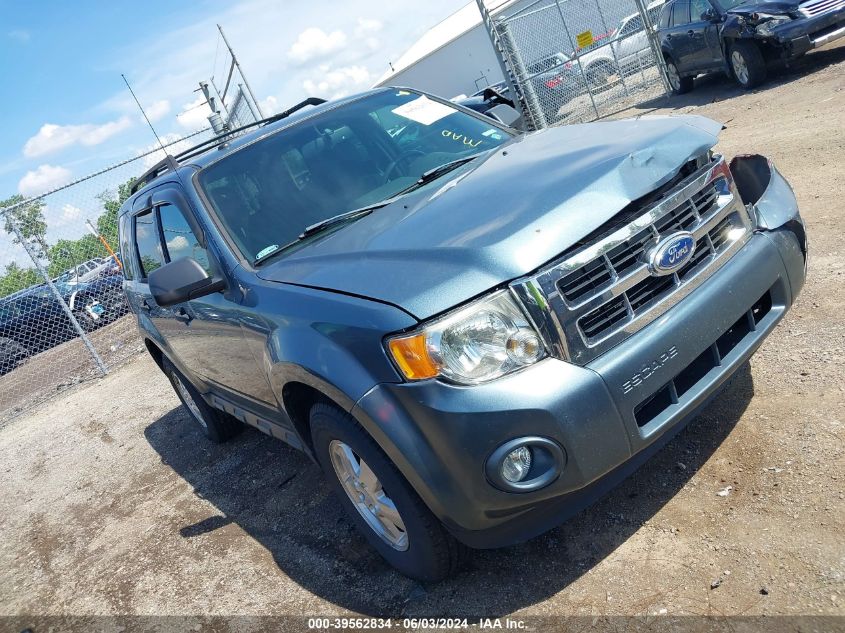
{"x": 158, "y": 110}
{"x": 338, "y": 82}
{"x": 176, "y": 147}
{"x": 194, "y": 115}
{"x": 68, "y": 214}
{"x": 44, "y": 178}
{"x": 314, "y": 43}
{"x": 179, "y": 245}
{"x": 52, "y": 138}
{"x": 365, "y": 33}
{"x": 269, "y": 106}
{"x": 367, "y": 26}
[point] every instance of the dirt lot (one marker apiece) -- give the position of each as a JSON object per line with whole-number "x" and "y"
{"x": 114, "y": 504}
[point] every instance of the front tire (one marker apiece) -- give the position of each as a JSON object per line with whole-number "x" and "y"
{"x": 379, "y": 501}
{"x": 598, "y": 76}
{"x": 85, "y": 321}
{"x": 216, "y": 425}
{"x": 747, "y": 64}
{"x": 12, "y": 354}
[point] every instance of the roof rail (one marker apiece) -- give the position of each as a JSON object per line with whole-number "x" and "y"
{"x": 171, "y": 163}
{"x": 165, "y": 165}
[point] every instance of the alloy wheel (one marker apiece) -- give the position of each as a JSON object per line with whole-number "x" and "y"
{"x": 674, "y": 76}
{"x": 368, "y": 496}
{"x": 188, "y": 399}
{"x": 740, "y": 67}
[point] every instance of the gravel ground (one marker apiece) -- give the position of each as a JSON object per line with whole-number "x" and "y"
{"x": 113, "y": 503}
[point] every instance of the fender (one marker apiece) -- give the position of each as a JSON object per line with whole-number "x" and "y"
{"x": 331, "y": 342}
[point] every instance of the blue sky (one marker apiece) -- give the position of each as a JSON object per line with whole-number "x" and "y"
{"x": 65, "y": 109}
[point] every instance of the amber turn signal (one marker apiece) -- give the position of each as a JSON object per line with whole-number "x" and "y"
{"x": 411, "y": 355}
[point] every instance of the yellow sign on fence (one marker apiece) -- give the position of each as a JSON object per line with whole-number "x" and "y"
{"x": 584, "y": 39}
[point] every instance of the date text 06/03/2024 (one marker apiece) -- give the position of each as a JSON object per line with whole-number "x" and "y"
{"x": 415, "y": 623}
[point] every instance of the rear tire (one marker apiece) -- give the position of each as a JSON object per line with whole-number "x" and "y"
{"x": 400, "y": 526}
{"x": 747, "y": 64}
{"x": 679, "y": 85}
{"x": 217, "y": 425}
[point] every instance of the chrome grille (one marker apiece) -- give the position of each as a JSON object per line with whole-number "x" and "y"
{"x": 622, "y": 258}
{"x": 641, "y": 296}
{"x": 599, "y": 295}
{"x": 817, "y": 7}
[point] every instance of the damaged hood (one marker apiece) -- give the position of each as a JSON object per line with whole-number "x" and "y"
{"x": 500, "y": 217}
{"x": 772, "y": 7}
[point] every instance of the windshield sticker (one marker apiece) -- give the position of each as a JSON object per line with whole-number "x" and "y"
{"x": 493, "y": 133}
{"x": 460, "y": 138}
{"x": 402, "y": 93}
{"x": 423, "y": 110}
{"x": 266, "y": 251}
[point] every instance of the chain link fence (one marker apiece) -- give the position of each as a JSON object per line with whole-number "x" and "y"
{"x": 63, "y": 314}
{"x": 572, "y": 61}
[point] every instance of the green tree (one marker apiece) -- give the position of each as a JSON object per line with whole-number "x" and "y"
{"x": 28, "y": 217}
{"x": 112, "y": 200}
{"x": 67, "y": 254}
{"x": 16, "y": 278}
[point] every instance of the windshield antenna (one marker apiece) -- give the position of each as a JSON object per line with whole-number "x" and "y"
{"x": 146, "y": 118}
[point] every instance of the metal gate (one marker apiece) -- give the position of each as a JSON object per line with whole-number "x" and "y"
{"x": 571, "y": 61}
{"x": 63, "y": 313}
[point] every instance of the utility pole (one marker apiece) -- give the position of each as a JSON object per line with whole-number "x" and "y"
{"x": 241, "y": 71}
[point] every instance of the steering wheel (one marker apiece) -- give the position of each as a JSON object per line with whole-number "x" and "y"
{"x": 402, "y": 158}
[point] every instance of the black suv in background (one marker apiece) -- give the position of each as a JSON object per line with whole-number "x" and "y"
{"x": 742, "y": 37}
{"x": 31, "y": 321}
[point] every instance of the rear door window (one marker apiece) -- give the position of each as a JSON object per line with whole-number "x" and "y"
{"x": 680, "y": 13}
{"x": 148, "y": 243}
{"x": 665, "y": 16}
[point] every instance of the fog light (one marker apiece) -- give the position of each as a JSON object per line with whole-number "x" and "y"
{"x": 516, "y": 464}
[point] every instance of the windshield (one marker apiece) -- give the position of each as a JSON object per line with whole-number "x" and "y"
{"x": 730, "y": 4}
{"x": 359, "y": 154}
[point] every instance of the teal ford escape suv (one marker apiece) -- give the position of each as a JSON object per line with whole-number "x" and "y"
{"x": 474, "y": 331}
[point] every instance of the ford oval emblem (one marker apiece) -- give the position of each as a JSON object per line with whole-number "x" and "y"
{"x": 671, "y": 253}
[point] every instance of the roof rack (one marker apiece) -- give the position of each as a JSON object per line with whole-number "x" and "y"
{"x": 171, "y": 163}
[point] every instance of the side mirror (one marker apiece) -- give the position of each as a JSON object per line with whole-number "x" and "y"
{"x": 182, "y": 280}
{"x": 505, "y": 114}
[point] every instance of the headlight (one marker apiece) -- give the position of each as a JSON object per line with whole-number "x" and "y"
{"x": 477, "y": 343}
{"x": 771, "y": 22}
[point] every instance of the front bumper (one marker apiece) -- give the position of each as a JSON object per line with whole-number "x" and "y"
{"x": 440, "y": 435}
{"x": 804, "y": 34}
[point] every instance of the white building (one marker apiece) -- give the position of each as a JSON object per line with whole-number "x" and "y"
{"x": 454, "y": 57}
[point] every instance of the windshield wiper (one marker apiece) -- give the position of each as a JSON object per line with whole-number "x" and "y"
{"x": 322, "y": 225}
{"x": 424, "y": 179}
{"x": 436, "y": 172}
